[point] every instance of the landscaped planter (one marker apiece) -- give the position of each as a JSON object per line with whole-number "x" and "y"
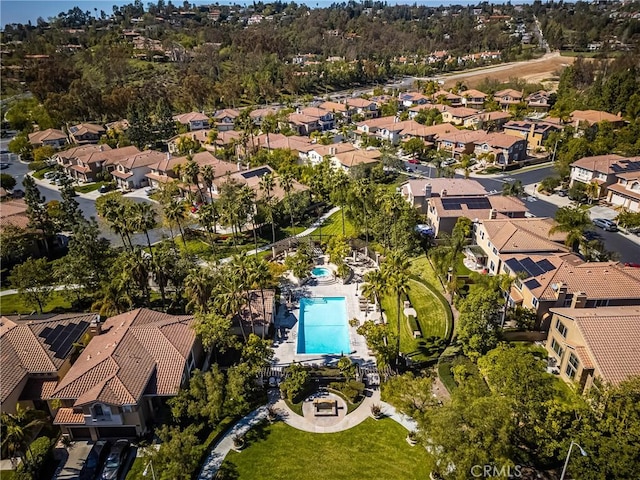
{"x": 238, "y": 443}
{"x": 412, "y": 439}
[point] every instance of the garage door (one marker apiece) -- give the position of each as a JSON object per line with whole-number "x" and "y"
{"x": 117, "y": 432}
{"x": 80, "y": 433}
{"x": 617, "y": 200}
{"x": 634, "y": 206}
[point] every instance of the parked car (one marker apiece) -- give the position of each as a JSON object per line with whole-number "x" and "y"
{"x": 413, "y": 160}
{"x": 104, "y": 189}
{"x": 605, "y": 224}
{"x": 115, "y": 460}
{"x": 562, "y": 192}
{"x": 151, "y": 190}
{"x": 50, "y": 175}
{"x": 95, "y": 460}
{"x": 448, "y": 162}
{"x": 4, "y": 165}
{"x": 17, "y": 193}
{"x": 591, "y": 235}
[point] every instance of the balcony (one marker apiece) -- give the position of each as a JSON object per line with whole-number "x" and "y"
{"x": 103, "y": 420}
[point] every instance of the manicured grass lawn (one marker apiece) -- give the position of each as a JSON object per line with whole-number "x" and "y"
{"x": 421, "y": 267}
{"x": 432, "y": 318}
{"x": 372, "y": 450}
{"x": 39, "y": 174}
{"x": 333, "y": 226}
{"x": 11, "y": 304}
{"x": 7, "y": 474}
{"x": 89, "y": 187}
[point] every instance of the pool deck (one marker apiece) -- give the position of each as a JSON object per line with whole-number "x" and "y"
{"x": 286, "y": 341}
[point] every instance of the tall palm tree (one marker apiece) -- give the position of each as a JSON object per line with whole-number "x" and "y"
{"x": 208, "y": 175}
{"x": 360, "y": 193}
{"x": 398, "y": 282}
{"x": 269, "y": 125}
{"x": 175, "y": 212}
{"x": 340, "y": 184}
{"x": 199, "y": 286}
{"x": 592, "y": 190}
{"x": 114, "y": 211}
{"x": 262, "y": 277}
{"x": 247, "y": 200}
{"x": 375, "y": 286}
{"x": 228, "y": 299}
{"x": 286, "y": 183}
{"x": 143, "y": 219}
{"x": 241, "y": 267}
{"x": 573, "y": 221}
{"x": 191, "y": 175}
{"x": 113, "y": 299}
{"x": 208, "y": 217}
{"x": 267, "y": 184}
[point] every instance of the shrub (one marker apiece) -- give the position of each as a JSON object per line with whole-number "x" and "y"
{"x": 40, "y": 462}
{"x": 352, "y": 389}
{"x": 296, "y": 382}
{"x": 37, "y": 165}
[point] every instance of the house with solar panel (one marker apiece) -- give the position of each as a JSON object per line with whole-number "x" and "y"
{"x": 133, "y": 364}
{"x": 37, "y": 351}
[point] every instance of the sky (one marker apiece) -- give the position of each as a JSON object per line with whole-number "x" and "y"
{"x": 21, "y": 11}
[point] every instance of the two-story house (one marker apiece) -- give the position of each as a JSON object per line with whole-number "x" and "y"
{"x": 460, "y": 142}
{"x": 508, "y": 97}
{"x": 457, "y": 116}
{"x": 547, "y": 280}
{"x": 86, "y": 133}
{"x": 130, "y": 172}
{"x": 165, "y": 171}
{"x": 595, "y": 344}
{"x": 50, "y": 137}
{"x": 259, "y": 114}
{"x": 303, "y": 124}
{"x": 326, "y": 118}
{"x": 252, "y": 177}
{"x": 84, "y": 163}
{"x": 410, "y": 99}
{"x": 418, "y": 192}
{"x": 366, "y": 108}
{"x": 447, "y": 98}
{"x": 428, "y": 134}
{"x": 626, "y": 193}
{"x": 225, "y": 119}
{"x": 538, "y": 101}
{"x": 120, "y": 382}
{"x": 318, "y": 153}
{"x": 506, "y": 148}
{"x": 473, "y": 98}
{"x": 193, "y": 120}
{"x": 489, "y": 121}
{"x": 36, "y": 353}
{"x": 535, "y": 133}
{"x": 601, "y": 170}
{"x": 498, "y": 237}
{"x": 348, "y": 160}
{"x": 589, "y": 118}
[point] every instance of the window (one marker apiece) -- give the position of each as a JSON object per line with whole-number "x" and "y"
{"x": 495, "y": 251}
{"x": 572, "y": 366}
{"x": 492, "y": 266}
{"x": 561, "y": 328}
{"x": 127, "y": 408}
{"x": 556, "y": 347}
{"x": 518, "y": 284}
{"x": 482, "y": 234}
{"x": 534, "y": 302}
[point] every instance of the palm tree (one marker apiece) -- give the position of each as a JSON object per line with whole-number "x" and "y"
{"x": 17, "y": 431}
{"x": 515, "y": 189}
{"x": 114, "y": 211}
{"x": 374, "y": 287}
{"x": 262, "y": 277}
{"x": 267, "y": 184}
{"x": 395, "y": 269}
{"x": 143, "y": 219}
{"x": 199, "y": 286}
{"x": 175, "y": 212}
{"x": 592, "y": 190}
{"x": 242, "y": 270}
{"x": 114, "y": 299}
{"x": 339, "y": 193}
{"x": 286, "y": 183}
{"x": 228, "y": 299}
{"x": 247, "y": 200}
{"x": 573, "y": 221}
{"x": 208, "y": 216}
{"x": 269, "y": 125}
{"x": 191, "y": 175}
{"x": 208, "y": 175}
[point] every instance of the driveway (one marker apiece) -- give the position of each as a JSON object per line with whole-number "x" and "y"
{"x": 76, "y": 455}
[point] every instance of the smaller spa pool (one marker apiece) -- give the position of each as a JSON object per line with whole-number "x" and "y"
{"x": 321, "y": 272}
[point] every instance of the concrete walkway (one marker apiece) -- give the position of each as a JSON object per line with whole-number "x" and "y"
{"x": 359, "y": 415}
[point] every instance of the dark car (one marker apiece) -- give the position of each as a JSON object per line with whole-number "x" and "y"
{"x": 4, "y": 165}
{"x": 562, "y": 193}
{"x": 103, "y": 189}
{"x": 115, "y": 460}
{"x": 17, "y": 193}
{"x": 95, "y": 460}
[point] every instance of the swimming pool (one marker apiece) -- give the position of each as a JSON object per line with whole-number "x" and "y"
{"x": 321, "y": 272}
{"x": 322, "y": 327}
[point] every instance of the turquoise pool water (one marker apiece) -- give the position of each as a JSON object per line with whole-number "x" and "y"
{"x": 323, "y": 327}
{"x": 321, "y": 272}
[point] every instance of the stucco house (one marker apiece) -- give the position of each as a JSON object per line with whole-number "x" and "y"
{"x": 130, "y": 172}
{"x": 626, "y": 193}
{"x": 193, "y": 120}
{"x": 86, "y": 133}
{"x": 134, "y": 363}
{"x": 51, "y": 137}
{"x": 602, "y": 170}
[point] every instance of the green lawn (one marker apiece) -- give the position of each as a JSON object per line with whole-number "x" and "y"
{"x": 39, "y": 174}
{"x": 371, "y": 450}
{"x": 421, "y": 267}
{"x": 11, "y": 304}
{"x": 89, "y": 187}
{"x": 432, "y": 318}
{"x": 333, "y": 226}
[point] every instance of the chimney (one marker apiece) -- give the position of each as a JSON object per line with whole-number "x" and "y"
{"x": 427, "y": 190}
{"x": 579, "y": 300}
{"x": 561, "y": 293}
{"x": 102, "y": 148}
{"x": 95, "y": 327}
{"x": 168, "y": 155}
{"x": 239, "y": 166}
{"x": 443, "y": 192}
{"x": 493, "y": 214}
{"x": 332, "y": 150}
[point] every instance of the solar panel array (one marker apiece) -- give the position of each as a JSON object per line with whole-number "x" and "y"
{"x": 530, "y": 267}
{"x": 474, "y": 203}
{"x": 256, "y": 173}
{"x": 61, "y": 338}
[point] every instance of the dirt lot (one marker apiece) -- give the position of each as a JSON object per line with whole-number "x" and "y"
{"x": 533, "y": 71}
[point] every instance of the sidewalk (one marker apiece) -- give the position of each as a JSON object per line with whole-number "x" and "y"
{"x": 359, "y": 415}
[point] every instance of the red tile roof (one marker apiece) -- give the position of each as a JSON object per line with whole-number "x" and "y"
{"x": 66, "y": 416}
